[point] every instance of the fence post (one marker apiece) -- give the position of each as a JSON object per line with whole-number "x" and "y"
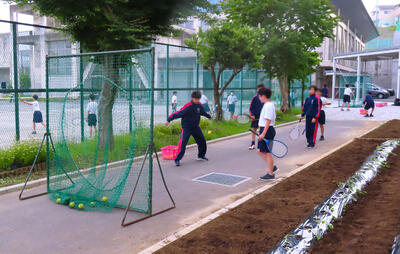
{"x": 47, "y": 124}
{"x": 81, "y": 99}
{"x": 241, "y": 92}
{"x": 151, "y": 129}
{"x": 130, "y": 99}
{"x": 16, "y": 99}
{"x": 197, "y": 71}
{"x": 167, "y": 77}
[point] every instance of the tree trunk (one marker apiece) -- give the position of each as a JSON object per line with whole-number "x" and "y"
{"x": 107, "y": 98}
{"x": 283, "y": 85}
{"x": 219, "y": 116}
{"x": 288, "y": 92}
{"x": 302, "y": 92}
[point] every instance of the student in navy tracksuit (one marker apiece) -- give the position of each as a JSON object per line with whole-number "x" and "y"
{"x": 369, "y": 104}
{"x": 311, "y": 110}
{"x": 255, "y": 110}
{"x": 190, "y": 114}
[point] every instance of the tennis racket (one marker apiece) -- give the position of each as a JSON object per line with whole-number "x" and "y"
{"x": 244, "y": 119}
{"x": 294, "y": 133}
{"x": 276, "y": 147}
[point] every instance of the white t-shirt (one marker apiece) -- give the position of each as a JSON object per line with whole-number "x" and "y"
{"x": 203, "y": 99}
{"x": 324, "y": 100}
{"x": 174, "y": 99}
{"x": 35, "y": 106}
{"x": 92, "y": 107}
{"x": 231, "y": 99}
{"x": 267, "y": 112}
{"x": 348, "y": 91}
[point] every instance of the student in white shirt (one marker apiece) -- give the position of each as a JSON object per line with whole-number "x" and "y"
{"x": 91, "y": 117}
{"x": 346, "y": 97}
{"x": 37, "y": 115}
{"x": 174, "y": 101}
{"x": 267, "y": 131}
{"x": 204, "y": 102}
{"x": 322, "y": 117}
{"x": 231, "y": 100}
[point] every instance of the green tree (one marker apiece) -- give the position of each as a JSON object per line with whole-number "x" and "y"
{"x": 24, "y": 80}
{"x": 102, "y": 25}
{"x": 292, "y": 29}
{"x": 225, "y": 46}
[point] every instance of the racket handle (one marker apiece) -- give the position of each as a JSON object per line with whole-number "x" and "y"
{"x": 254, "y": 132}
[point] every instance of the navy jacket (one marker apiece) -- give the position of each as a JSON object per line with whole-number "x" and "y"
{"x": 368, "y": 100}
{"x": 255, "y": 106}
{"x": 312, "y": 107}
{"x": 190, "y": 114}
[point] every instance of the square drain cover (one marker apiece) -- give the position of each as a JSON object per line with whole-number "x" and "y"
{"x": 222, "y": 179}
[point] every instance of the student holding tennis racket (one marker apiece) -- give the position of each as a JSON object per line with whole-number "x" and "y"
{"x": 255, "y": 110}
{"x": 311, "y": 110}
{"x": 267, "y": 131}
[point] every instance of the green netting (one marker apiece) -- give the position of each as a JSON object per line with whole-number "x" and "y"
{"x": 99, "y": 172}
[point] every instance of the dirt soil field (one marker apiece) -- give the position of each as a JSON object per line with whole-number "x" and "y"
{"x": 391, "y": 129}
{"x": 259, "y": 224}
{"x": 370, "y": 224}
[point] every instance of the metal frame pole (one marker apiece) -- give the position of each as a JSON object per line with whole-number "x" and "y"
{"x": 197, "y": 71}
{"x": 151, "y": 130}
{"x": 130, "y": 99}
{"x": 47, "y": 125}
{"x": 15, "y": 67}
{"x": 358, "y": 80}
{"x": 334, "y": 79}
{"x": 167, "y": 77}
{"x": 82, "y": 115}
{"x": 241, "y": 92}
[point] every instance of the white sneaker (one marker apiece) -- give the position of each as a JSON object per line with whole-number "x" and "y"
{"x": 252, "y": 147}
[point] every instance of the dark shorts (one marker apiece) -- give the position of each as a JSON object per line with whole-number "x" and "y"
{"x": 262, "y": 145}
{"x": 37, "y": 117}
{"x": 322, "y": 118}
{"x": 92, "y": 120}
{"x": 254, "y": 124}
{"x": 369, "y": 105}
{"x": 346, "y": 98}
{"x": 231, "y": 107}
{"x": 206, "y": 107}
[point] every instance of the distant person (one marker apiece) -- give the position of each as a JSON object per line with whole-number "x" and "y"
{"x": 231, "y": 102}
{"x": 322, "y": 118}
{"x": 311, "y": 111}
{"x": 190, "y": 114}
{"x": 369, "y": 103}
{"x": 174, "y": 101}
{"x": 37, "y": 114}
{"x": 267, "y": 131}
{"x": 325, "y": 91}
{"x": 204, "y": 102}
{"x": 91, "y": 117}
{"x": 346, "y": 97}
{"x": 255, "y": 110}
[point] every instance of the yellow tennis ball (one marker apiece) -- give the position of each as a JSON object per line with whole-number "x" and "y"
{"x": 209, "y": 132}
{"x": 58, "y": 200}
{"x": 72, "y": 204}
{"x": 81, "y": 206}
{"x": 104, "y": 198}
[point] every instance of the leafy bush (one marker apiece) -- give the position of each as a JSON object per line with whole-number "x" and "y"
{"x": 6, "y": 159}
{"x": 25, "y": 152}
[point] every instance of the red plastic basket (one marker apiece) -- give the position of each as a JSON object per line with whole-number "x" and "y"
{"x": 381, "y": 104}
{"x": 169, "y": 152}
{"x": 363, "y": 111}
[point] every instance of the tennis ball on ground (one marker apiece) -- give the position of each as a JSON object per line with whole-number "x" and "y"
{"x": 72, "y": 204}
{"x": 56, "y": 195}
{"x": 209, "y": 132}
{"x": 81, "y": 206}
{"x": 104, "y": 199}
{"x": 92, "y": 204}
{"x": 58, "y": 200}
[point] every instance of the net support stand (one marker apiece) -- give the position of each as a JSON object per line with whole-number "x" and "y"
{"x": 33, "y": 166}
{"x": 149, "y": 152}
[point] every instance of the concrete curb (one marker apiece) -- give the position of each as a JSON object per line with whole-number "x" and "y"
{"x": 42, "y": 181}
{"x": 186, "y": 230}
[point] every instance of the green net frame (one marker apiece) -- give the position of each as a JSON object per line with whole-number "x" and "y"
{"x": 99, "y": 137}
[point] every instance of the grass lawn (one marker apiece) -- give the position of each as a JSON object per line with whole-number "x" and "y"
{"x": 163, "y": 136}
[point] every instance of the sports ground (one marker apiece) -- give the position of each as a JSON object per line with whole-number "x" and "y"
{"x": 38, "y": 225}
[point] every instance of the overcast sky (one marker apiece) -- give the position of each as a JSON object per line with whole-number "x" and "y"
{"x": 370, "y": 4}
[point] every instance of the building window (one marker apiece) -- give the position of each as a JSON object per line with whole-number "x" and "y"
{"x": 387, "y": 12}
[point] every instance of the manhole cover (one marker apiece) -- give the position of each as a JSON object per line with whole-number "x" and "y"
{"x": 222, "y": 179}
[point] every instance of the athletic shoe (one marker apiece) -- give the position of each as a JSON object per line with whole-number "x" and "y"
{"x": 321, "y": 138}
{"x": 342, "y": 109}
{"x": 33, "y": 132}
{"x": 202, "y": 158}
{"x": 371, "y": 115}
{"x": 267, "y": 177}
{"x": 366, "y": 115}
{"x": 177, "y": 163}
{"x": 348, "y": 109}
{"x": 275, "y": 168}
{"x": 252, "y": 147}
{"x": 310, "y": 146}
